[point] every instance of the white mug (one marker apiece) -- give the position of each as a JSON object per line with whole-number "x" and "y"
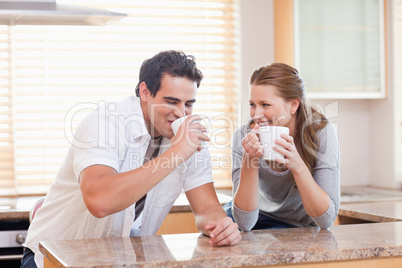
{"x": 268, "y": 135}
{"x": 177, "y": 123}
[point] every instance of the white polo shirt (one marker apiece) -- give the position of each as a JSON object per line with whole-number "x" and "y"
{"x": 114, "y": 135}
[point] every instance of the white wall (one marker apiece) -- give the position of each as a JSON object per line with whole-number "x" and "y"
{"x": 361, "y": 123}
{"x": 384, "y": 123}
{"x": 257, "y": 43}
{"x": 353, "y": 123}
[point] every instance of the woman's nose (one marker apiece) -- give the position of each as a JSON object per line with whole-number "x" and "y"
{"x": 258, "y": 113}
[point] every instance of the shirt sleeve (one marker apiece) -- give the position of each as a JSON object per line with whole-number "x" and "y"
{"x": 327, "y": 175}
{"x": 94, "y": 145}
{"x": 244, "y": 219}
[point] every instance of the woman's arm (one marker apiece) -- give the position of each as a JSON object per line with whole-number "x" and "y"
{"x": 246, "y": 153}
{"x": 246, "y": 196}
{"x": 320, "y": 195}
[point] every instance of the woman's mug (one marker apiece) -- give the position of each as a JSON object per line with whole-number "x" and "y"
{"x": 268, "y": 135}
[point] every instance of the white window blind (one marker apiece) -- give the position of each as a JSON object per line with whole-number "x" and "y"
{"x": 397, "y": 81}
{"x": 53, "y": 76}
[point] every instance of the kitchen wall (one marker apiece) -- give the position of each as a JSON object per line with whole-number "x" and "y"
{"x": 361, "y": 124}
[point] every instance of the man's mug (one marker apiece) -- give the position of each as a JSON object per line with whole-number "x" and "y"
{"x": 177, "y": 123}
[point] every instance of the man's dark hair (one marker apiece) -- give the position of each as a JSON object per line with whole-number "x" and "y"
{"x": 173, "y": 63}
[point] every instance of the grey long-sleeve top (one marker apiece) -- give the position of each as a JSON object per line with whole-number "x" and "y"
{"x": 277, "y": 191}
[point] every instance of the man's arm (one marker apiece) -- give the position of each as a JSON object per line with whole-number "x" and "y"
{"x": 210, "y": 217}
{"x": 105, "y": 191}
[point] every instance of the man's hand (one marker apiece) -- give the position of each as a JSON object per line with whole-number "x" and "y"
{"x": 189, "y": 137}
{"x": 223, "y": 232}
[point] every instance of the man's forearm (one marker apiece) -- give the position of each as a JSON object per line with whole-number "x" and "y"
{"x": 109, "y": 192}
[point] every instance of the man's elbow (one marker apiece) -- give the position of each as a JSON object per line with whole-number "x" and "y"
{"x": 97, "y": 211}
{"x": 96, "y": 207}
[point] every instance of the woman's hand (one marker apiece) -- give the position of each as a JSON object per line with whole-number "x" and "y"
{"x": 292, "y": 159}
{"x": 251, "y": 144}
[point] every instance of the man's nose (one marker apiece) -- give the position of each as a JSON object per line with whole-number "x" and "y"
{"x": 180, "y": 111}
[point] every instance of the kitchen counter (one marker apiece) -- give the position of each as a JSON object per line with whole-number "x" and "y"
{"x": 16, "y": 208}
{"x": 373, "y": 211}
{"x": 342, "y": 243}
{"x": 364, "y": 194}
{"x": 371, "y": 244}
{"x": 364, "y": 203}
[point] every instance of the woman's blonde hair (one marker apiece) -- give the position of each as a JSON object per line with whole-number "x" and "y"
{"x": 308, "y": 120}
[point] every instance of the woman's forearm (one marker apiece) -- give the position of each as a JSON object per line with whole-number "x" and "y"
{"x": 246, "y": 196}
{"x": 315, "y": 200}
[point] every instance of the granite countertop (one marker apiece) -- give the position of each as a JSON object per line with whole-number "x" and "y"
{"x": 266, "y": 247}
{"x": 257, "y": 248}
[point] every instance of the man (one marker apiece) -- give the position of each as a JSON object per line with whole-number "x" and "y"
{"x": 126, "y": 168}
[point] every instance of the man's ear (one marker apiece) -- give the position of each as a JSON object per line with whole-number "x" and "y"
{"x": 145, "y": 94}
{"x": 294, "y": 106}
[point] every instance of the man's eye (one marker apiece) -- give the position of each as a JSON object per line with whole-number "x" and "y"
{"x": 189, "y": 105}
{"x": 171, "y": 102}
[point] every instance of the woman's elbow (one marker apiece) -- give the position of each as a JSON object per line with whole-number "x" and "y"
{"x": 245, "y": 226}
{"x": 327, "y": 223}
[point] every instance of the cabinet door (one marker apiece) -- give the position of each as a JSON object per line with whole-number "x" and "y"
{"x": 338, "y": 46}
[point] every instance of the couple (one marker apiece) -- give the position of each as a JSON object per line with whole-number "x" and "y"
{"x": 110, "y": 184}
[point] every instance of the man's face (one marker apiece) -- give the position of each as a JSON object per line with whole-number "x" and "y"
{"x": 174, "y": 99}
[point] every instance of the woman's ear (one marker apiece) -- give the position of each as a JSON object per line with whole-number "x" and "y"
{"x": 294, "y": 106}
{"x": 144, "y": 91}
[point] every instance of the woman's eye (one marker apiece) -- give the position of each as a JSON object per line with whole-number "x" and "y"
{"x": 252, "y": 105}
{"x": 266, "y": 105}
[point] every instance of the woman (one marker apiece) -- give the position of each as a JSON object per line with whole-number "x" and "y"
{"x": 303, "y": 188}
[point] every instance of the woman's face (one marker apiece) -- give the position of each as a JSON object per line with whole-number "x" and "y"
{"x": 267, "y": 108}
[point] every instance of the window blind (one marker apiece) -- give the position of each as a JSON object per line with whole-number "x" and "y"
{"x": 53, "y": 76}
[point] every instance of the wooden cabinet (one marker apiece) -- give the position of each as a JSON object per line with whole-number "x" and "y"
{"x": 178, "y": 223}
{"x": 337, "y": 46}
